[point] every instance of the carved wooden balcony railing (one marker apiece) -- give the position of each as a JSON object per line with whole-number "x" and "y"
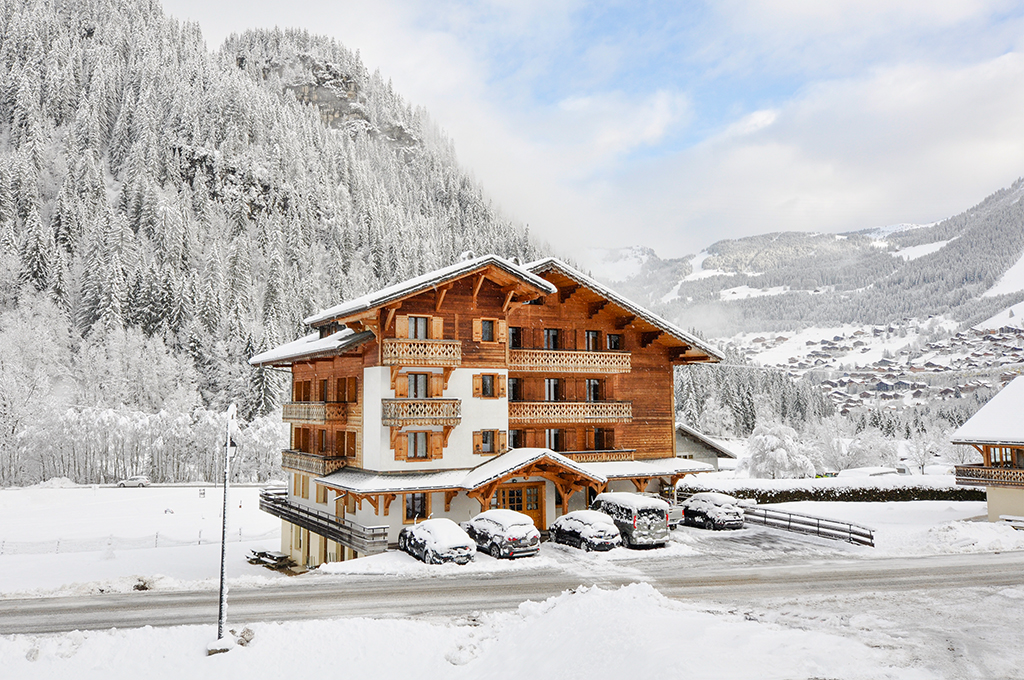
{"x": 979, "y": 475}
{"x": 566, "y": 361}
{"x": 606, "y": 456}
{"x": 540, "y": 412}
{"x": 408, "y": 352}
{"x": 311, "y": 463}
{"x": 318, "y": 412}
{"x": 421, "y": 412}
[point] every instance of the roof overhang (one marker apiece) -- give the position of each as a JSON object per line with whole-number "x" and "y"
{"x": 311, "y": 347}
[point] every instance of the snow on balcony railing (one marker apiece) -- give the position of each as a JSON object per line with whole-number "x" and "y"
{"x": 568, "y": 361}
{"x": 409, "y": 352}
{"x": 318, "y": 412}
{"x": 367, "y": 540}
{"x": 422, "y": 412}
{"x": 537, "y": 412}
{"x": 979, "y": 475}
{"x": 312, "y": 463}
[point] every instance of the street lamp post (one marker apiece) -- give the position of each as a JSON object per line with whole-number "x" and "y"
{"x": 229, "y": 448}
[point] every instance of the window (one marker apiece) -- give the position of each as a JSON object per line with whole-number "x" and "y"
{"x": 517, "y": 439}
{"x": 418, "y": 327}
{"x": 553, "y": 439}
{"x": 604, "y": 439}
{"x": 515, "y": 389}
{"x": 515, "y": 337}
{"x": 418, "y": 385}
{"x": 487, "y": 330}
{"x": 417, "y": 506}
{"x": 550, "y": 338}
{"x": 419, "y": 445}
{"x": 487, "y": 385}
{"x": 593, "y": 338}
{"x": 593, "y": 389}
{"x": 346, "y": 390}
{"x": 487, "y": 441}
{"x": 552, "y": 389}
{"x": 321, "y": 494}
{"x": 614, "y": 341}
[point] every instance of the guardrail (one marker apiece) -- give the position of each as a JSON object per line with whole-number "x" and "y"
{"x": 808, "y": 524}
{"x": 367, "y": 540}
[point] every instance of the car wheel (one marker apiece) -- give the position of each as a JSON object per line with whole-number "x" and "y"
{"x": 121, "y": 484}
{"x": 430, "y": 557}
{"x": 627, "y": 542}
{"x": 495, "y": 551}
{"x": 585, "y": 545}
{"x": 708, "y": 524}
{"x": 401, "y": 543}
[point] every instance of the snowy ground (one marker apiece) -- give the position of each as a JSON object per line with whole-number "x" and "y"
{"x": 868, "y": 635}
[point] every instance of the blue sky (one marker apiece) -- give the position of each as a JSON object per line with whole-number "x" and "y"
{"x": 676, "y": 124}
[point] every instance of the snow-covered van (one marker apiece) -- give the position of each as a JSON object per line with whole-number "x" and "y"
{"x": 641, "y": 520}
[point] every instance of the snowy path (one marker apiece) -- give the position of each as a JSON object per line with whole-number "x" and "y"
{"x": 454, "y": 594}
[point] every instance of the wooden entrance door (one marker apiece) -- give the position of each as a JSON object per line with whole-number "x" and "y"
{"x": 525, "y": 498}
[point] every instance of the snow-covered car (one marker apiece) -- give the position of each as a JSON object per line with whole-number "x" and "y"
{"x": 437, "y": 540}
{"x": 504, "y": 533}
{"x": 712, "y": 510}
{"x": 586, "y": 529}
{"x": 642, "y": 520}
{"x": 675, "y": 512}
{"x": 137, "y": 480}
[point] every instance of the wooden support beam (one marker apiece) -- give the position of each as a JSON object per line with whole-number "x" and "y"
{"x": 623, "y": 322}
{"x": 649, "y": 337}
{"x": 640, "y": 483}
{"x": 394, "y": 376}
{"x": 439, "y": 294}
{"x": 447, "y": 372}
{"x": 595, "y": 308}
{"x": 388, "y": 498}
{"x": 391, "y": 315}
{"x": 476, "y": 286}
{"x": 567, "y": 292}
{"x": 508, "y": 300}
{"x": 448, "y": 496}
{"x": 446, "y": 432}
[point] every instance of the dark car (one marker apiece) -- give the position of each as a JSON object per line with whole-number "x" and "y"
{"x": 587, "y": 530}
{"x": 712, "y": 510}
{"x": 504, "y": 533}
{"x": 642, "y": 520}
{"x": 437, "y": 540}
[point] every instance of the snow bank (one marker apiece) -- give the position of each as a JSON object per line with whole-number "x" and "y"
{"x": 590, "y": 633}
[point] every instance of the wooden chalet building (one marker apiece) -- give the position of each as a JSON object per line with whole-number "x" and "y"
{"x": 997, "y": 432}
{"x": 483, "y": 384}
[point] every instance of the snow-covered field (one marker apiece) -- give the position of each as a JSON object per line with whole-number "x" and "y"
{"x": 849, "y": 636}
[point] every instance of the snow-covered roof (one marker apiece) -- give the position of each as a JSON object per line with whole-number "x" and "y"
{"x": 427, "y": 281}
{"x": 997, "y": 422}
{"x": 515, "y": 459}
{"x": 367, "y": 482}
{"x": 650, "y": 317}
{"x": 653, "y": 467}
{"x": 312, "y": 345}
{"x": 704, "y": 439}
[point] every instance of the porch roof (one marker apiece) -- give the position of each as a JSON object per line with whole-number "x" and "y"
{"x": 654, "y": 467}
{"x": 311, "y": 346}
{"x": 998, "y": 422}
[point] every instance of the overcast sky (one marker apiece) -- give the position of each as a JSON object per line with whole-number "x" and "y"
{"x": 676, "y": 124}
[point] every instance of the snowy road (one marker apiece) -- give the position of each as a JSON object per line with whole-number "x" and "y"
{"x": 462, "y": 594}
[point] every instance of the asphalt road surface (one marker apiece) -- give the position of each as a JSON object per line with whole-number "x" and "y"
{"x": 448, "y": 596}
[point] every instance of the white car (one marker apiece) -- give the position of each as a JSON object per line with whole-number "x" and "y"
{"x": 712, "y": 510}
{"x": 437, "y": 540}
{"x": 137, "y": 480}
{"x": 504, "y": 533}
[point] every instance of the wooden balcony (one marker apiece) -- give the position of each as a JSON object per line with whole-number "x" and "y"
{"x": 979, "y": 475}
{"x": 366, "y": 540}
{"x": 542, "y": 412}
{"x": 568, "y": 361}
{"x": 421, "y": 412}
{"x": 408, "y": 352}
{"x": 607, "y": 456}
{"x": 311, "y": 463}
{"x": 316, "y": 412}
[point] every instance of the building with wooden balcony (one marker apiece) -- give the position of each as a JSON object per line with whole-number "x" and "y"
{"x": 483, "y": 384}
{"x": 996, "y": 431}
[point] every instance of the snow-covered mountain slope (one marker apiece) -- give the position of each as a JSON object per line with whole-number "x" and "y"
{"x": 969, "y": 267}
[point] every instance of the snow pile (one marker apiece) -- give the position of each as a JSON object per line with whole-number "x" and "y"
{"x": 728, "y": 482}
{"x": 577, "y": 634}
{"x": 55, "y": 483}
{"x": 951, "y": 538}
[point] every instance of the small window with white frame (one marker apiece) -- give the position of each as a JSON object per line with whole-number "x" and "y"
{"x": 419, "y": 445}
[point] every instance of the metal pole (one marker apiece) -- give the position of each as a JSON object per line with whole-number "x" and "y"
{"x": 223, "y": 612}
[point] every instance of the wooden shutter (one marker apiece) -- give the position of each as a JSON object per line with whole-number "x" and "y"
{"x": 339, "y": 390}
{"x": 436, "y": 445}
{"x": 478, "y": 442}
{"x": 350, "y": 444}
{"x": 501, "y": 386}
{"x": 296, "y": 484}
{"x": 502, "y": 441}
{"x": 590, "y": 439}
{"x": 569, "y": 439}
{"x": 353, "y": 389}
{"x": 531, "y": 438}
{"x": 478, "y": 388}
{"x": 502, "y": 331}
{"x": 478, "y": 330}
{"x": 402, "y": 386}
{"x": 436, "y": 385}
{"x": 436, "y": 328}
{"x": 296, "y": 391}
{"x": 402, "y": 326}
{"x": 339, "y": 506}
{"x": 609, "y": 438}
{"x": 401, "y": 447}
